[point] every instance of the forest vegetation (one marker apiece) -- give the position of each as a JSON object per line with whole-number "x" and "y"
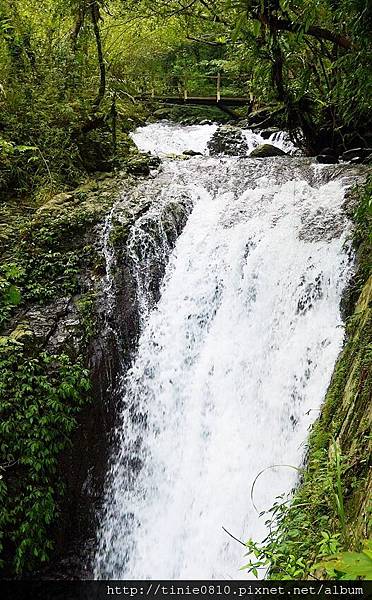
{"x": 76, "y": 76}
{"x": 71, "y": 71}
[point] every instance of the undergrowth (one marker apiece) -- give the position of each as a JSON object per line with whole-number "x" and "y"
{"x": 41, "y": 395}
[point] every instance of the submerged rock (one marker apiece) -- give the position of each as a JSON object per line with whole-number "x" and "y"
{"x": 267, "y": 150}
{"x": 192, "y": 153}
{"x": 329, "y": 152}
{"x": 228, "y": 140}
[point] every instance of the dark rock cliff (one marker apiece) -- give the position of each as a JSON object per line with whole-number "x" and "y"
{"x": 97, "y": 320}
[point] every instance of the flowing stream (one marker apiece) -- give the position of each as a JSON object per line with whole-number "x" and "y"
{"x": 233, "y": 360}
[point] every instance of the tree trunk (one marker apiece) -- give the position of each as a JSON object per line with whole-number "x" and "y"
{"x": 277, "y": 68}
{"x": 78, "y": 25}
{"x": 94, "y": 9}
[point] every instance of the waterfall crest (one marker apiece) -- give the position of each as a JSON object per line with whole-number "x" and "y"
{"x": 233, "y": 360}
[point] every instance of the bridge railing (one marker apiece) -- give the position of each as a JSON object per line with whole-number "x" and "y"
{"x": 195, "y": 86}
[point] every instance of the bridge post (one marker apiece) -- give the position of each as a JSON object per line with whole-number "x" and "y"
{"x": 218, "y": 90}
{"x": 185, "y": 94}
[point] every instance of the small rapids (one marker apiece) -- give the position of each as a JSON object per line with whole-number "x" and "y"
{"x": 234, "y": 358}
{"x": 168, "y": 138}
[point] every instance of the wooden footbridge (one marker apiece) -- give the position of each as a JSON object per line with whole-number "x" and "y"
{"x": 203, "y": 100}
{"x": 185, "y": 94}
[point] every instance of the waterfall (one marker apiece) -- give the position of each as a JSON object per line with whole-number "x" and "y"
{"x": 233, "y": 360}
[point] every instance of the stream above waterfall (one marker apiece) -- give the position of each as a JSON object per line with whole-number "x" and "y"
{"x": 234, "y": 355}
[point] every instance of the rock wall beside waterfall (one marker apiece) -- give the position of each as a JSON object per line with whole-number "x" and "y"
{"x": 346, "y": 416}
{"x": 76, "y": 317}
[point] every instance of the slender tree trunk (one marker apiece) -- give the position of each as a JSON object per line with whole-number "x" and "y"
{"x": 95, "y": 14}
{"x": 80, "y": 18}
{"x": 277, "y": 69}
{"x": 114, "y": 116}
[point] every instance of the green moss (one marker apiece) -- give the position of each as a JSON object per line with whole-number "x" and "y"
{"x": 118, "y": 234}
{"x": 48, "y": 248}
{"x": 88, "y": 317}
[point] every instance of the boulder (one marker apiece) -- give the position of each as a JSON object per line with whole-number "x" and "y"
{"x": 357, "y": 160}
{"x": 266, "y": 150}
{"x": 326, "y": 159}
{"x": 228, "y": 140}
{"x": 141, "y": 163}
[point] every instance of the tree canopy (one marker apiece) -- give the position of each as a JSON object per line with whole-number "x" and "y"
{"x": 70, "y": 68}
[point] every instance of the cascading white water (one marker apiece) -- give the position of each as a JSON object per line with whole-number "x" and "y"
{"x": 232, "y": 363}
{"x": 169, "y": 138}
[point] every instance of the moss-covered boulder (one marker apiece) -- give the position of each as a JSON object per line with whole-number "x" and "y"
{"x": 228, "y": 140}
{"x": 266, "y": 151}
{"x": 142, "y": 163}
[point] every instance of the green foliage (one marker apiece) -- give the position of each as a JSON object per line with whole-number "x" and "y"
{"x": 363, "y": 214}
{"x": 49, "y": 120}
{"x": 52, "y": 130}
{"x": 10, "y": 295}
{"x": 349, "y": 565}
{"x": 307, "y": 527}
{"x": 41, "y": 395}
{"x": 85, "y": 305}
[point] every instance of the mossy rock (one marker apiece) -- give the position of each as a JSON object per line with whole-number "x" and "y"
{"x": 266, "y": 151}
{"x": 140, "y": 164}
{"x": 228, "y": 140}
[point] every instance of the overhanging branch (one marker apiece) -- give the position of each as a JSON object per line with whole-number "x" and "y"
{"x": 276, "y": 24}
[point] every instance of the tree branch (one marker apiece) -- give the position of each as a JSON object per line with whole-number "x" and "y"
{"x": 276, "y": 24}
{"x": 206, "y": 42}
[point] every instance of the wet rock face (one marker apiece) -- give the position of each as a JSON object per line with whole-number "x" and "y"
{"x": 265, "y": 151}
{"x": 269, "y": 131}
{"x": 107, "y": 352}
{"x": 228, "y": 140}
